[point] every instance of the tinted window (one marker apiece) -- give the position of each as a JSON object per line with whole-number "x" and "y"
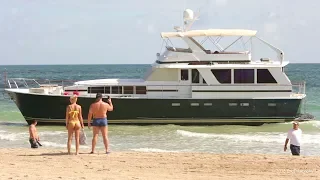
{"x": 264, "y": 76}
{"x": 107, "y": 89}
{"x": 96, "y": 90}
{"x": 195, "y": 76}
{"x": 204, "y": 81}
{"x": 116, "y": 89}
{"x": 243, "y": 76}
{"x": 222, "y": 75}
{"x": 141, "y": 90}
{"x": 127, "y": 89}
{"x": 184, "y": 74}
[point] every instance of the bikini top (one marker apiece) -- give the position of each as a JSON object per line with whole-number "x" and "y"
{"x": 75, "y": 112}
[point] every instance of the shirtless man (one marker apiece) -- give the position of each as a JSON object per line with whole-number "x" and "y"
{"x": 98, "y": 110}
{"x": 33, "y": 138}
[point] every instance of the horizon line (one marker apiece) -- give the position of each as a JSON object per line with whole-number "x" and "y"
{"x": 63, "y": 64}
{"x": 110, "y": 64}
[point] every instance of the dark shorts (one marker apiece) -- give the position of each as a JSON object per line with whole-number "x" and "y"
{"x": 100, "y": 122}
{"x": 33, "y": 143}
{"x": 295, "y": 150}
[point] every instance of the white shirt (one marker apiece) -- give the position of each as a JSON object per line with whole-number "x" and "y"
{"x": 295, "y": 136}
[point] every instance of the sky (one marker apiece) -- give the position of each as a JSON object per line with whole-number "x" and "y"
{"x": 128, "y": 31}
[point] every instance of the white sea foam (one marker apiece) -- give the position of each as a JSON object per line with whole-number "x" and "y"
{"x": 152, "y": 150}
{"x": 194, "y": 134}
{"x": 4, "y": 135}
{"x": 250, "y": 137}
{"x": 8, "y": 137}
{"x": 315, "y": 124}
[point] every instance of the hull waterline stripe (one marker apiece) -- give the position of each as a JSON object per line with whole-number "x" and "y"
{"x": 150, "y": 121}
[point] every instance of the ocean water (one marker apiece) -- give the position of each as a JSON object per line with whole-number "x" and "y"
{"x": 267, "y": 139}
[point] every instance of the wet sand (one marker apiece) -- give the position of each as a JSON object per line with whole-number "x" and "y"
{"x": 56, "y": 164}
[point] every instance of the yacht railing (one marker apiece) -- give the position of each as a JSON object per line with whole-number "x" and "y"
{"x": 297, "y": 88}
{"x": 18, "y": 83}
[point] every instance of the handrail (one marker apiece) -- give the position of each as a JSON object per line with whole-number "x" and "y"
{"x": 38, "y": 83}
{"x": 301, "y": 86}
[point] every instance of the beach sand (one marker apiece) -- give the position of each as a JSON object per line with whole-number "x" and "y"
{"x": 55, "y": 164}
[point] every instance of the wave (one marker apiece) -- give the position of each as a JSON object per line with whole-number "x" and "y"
{"x": 4, "y": 135}
{"x": 250, "y": 137}
{"x": 312, "y": 123}
{"x": 153, "y": 150}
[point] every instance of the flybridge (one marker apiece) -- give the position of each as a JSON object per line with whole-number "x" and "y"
{"x": 196, "y": 51}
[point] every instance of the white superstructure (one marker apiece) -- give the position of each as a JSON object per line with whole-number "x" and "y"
{"x": 197, "y": 72}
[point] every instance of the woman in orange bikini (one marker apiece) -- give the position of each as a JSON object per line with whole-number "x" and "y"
{"x": 74, "y": 122}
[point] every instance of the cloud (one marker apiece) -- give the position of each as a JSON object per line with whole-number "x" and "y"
{"x": 270, "y": 27}
{"x": 15, "y": 11}
{"x": 302, "y": 22}
{"x": 151, "y": 29}
{"x": 221, "y": 2}
{"x": 139, "y": 22}
{"x": 271, "y": 15}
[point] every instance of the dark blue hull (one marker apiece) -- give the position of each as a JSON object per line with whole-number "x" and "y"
{"x": 51, "y": 110}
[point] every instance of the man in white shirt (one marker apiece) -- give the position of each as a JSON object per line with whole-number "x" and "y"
{"x": 294, "y": 135}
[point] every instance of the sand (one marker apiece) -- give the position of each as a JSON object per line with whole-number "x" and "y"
{"x": 56, "y": 164}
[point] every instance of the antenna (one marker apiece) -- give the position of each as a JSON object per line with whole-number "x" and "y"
{"x": 189, "y": 17}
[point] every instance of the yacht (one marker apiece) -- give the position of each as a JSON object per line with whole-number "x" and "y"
{"x": 190, "y": 85}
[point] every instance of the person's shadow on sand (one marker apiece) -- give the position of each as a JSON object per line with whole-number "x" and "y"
{"x": 50, "y": 154}
{"x": 46, "y": 154}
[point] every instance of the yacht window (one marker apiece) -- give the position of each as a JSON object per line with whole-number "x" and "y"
{"x": 244, "y": 76}
{"x": 195, "y": 76}
{"x": 222, "y": 75}
{"x": 141, "y": 90}
{"x": 184, "y": 74}
{"x": 264, "y": 76}
{"x": 127, "y": 89}
{"x": 96, "y": 90}
{"x": 116, "y": 89}
{"x": 204, "y": 81}
{"x": 107, "y": 89}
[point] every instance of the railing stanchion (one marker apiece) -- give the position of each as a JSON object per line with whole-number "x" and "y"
{"x": 304, "y": 99}
{"x": 5, "y": 78}
{"x": 9, "y": 83}
{"x": 16, "y": 84}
